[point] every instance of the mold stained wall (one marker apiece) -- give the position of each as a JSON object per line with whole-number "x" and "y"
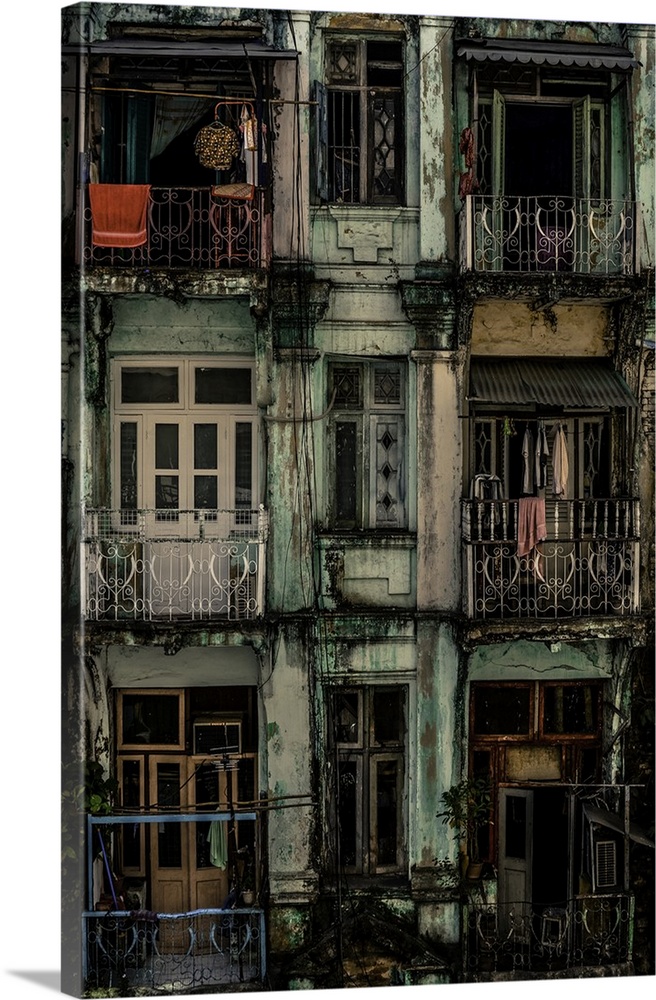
{"x": 514, "y": 329}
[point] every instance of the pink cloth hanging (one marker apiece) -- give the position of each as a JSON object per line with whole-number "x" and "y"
{"x": 118, "y": 214}
{"x": 531, "y": 524}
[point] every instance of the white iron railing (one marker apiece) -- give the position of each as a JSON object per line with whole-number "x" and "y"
{"x": 174, "y": 564}
{"x": 550, "y": 233}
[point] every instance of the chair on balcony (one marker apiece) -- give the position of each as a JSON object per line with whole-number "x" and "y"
{"x": 553, "y": 929}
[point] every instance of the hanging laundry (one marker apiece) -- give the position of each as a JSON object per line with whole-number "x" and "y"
{"x": 216, "y": 146}
{"x": 560, "y": 463}
{"x": 527, "y": 459}
{"x": 118, "y": 214}
{"x": 531, "y": 524}
{"x": 218, "y": 841}
{"x": 541, "y": 456}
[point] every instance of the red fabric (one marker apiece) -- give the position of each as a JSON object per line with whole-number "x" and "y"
{"x": 531, "y": 524}
{"x": 118, "y": 214}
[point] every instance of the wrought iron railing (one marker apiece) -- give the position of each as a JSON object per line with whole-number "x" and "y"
{"x": 550, "y": 233}
{"x": 587, "y": 566}
{"x": 174, "y": 564}
{"x": 189, "y": 228}
{"x": 585, "y": 931}
{"x": 180, "y": 951}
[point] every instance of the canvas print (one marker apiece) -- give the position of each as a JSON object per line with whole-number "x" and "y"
{"x": 358, "y": 499}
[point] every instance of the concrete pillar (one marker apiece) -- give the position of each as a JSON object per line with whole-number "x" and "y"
{"x": 439, "y": 477}
{"x": 436, "y": 238}
{"x": 291, "y": 151}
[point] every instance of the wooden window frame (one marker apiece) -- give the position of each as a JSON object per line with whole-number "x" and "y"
{"x": 148, "y": 747}
{"x": 366, "y": 754}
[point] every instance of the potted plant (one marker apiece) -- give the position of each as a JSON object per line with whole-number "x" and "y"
{"x": 467, "y": 811}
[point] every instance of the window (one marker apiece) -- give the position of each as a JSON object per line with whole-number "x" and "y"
{"x": 360, "y": 123}
{"x": 367, "y": 734}
{"x": 560, "y": 117}
{"x": 185, "y": 439}
{"x": 367, "y": 445}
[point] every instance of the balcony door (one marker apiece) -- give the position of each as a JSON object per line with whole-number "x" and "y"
{"x": 189, "y": 866}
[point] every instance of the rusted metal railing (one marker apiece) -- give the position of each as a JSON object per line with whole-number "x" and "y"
{"x": 190, "y": 228}
{"x": 587, "y": 566}
{"x": 585, "y": 931}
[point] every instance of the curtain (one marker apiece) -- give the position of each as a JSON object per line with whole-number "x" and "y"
{"x": 173, "y": 115}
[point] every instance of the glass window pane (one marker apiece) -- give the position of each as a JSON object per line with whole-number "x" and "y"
{"x": 345, "y": 712}
{"x": 570, "y": 709}
{"x": 388, "y": 715}
{"x": 502, "y": 711}
{"x": 386, "y": 811}
{"x": 348, "y": 811}
{"x": 243, "y": 465}
{"x": 169, "y": 839}
{"x": 205, "y": 446}
{"x": 131, "y": 784}
{"x": 347, "y": 387}
{"x": 387, "y": 386}
{"x": 149, "y": 385}
{"x": 128, "y": 463}
{"x": 205, "y": 492}
{"x": 166, "y": 446}
{"x": 246, "y": 779}
{"x": 151, "y": 719}
{"x": 223, "y": 385}
{"x": 166, "y": 492}
{"x": 345, "y": 472}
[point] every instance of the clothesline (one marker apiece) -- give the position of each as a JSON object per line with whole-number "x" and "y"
{"x": 208, "y": 97}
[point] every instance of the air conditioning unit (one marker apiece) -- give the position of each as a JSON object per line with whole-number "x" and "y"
{"x": 216, "y": 735}
{"x": 605, "y": 864}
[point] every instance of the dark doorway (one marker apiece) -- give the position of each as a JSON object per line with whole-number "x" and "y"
{"x": 539, "y": 147}
{"x": 550, "y": 847}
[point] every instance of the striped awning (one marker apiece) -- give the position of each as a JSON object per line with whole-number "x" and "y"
{"x": 541, "y": 53}
{"x": 548, "y": 383}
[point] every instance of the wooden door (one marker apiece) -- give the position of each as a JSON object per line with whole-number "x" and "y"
{"x": 185, "y": 874}
{"x": 515, "y": 857}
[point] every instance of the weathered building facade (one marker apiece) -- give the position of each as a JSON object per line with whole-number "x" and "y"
{"x": 358, "y": 469}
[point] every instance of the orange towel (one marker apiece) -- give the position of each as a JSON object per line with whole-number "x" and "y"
{"x": 118, "y": 214}
{"x": 531, "y": 524}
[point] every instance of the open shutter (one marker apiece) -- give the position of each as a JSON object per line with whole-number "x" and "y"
{"x": 498, "y": 143}
{"x": 321, "y": 140}
{"x": 581, "y": 144}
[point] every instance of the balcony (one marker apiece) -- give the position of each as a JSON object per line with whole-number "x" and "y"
{"x": 190, "y": 228}
{"x": 172, "y": 565}
{"x": 588, "y": 565}
{"x": 549, "y": 234}
{"x": 158, "y": 951}
{"x": 583, "y": 932}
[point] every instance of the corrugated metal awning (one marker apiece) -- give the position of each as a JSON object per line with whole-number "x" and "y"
{"x": 613, "y": 822}
{"x": 183, "y": 48}
{"x": 528, "y": 50}
{"x": 575, "y": 383}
